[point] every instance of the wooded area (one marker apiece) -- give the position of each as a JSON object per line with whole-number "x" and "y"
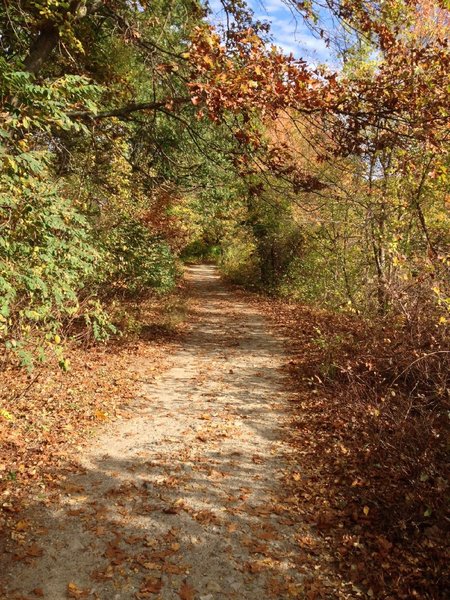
{"x": 139, "y": 136}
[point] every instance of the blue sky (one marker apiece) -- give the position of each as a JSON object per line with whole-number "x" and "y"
{"x": 289, "y": 33}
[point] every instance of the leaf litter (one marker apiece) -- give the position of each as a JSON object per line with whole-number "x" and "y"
{"x": 157, "y": 507}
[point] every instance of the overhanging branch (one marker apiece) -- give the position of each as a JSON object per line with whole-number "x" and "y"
{"x": 123, "y": 111}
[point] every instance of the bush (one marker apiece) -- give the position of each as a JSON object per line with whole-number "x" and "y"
{"x": 201, "y": 251}
{"x": 239, "y": 261}
{"x": 136, "y": 259}
{"x": 45, "y": 257}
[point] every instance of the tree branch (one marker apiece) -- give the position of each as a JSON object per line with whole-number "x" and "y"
{"x": 123, "y": 111}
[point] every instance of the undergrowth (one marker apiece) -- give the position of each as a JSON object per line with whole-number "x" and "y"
{"x": 372, "y": 401}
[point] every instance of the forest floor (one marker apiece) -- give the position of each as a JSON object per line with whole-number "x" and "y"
{"x": 188, "y": 498}
{"x": 212, "y": 486}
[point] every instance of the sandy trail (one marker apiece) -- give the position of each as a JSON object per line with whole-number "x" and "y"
{"x": 184, "y": 500}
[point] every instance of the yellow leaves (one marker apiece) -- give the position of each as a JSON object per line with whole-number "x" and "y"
{"x": 73, "y": 591}
{"x": 366, "y": 510}
{"x": 208, "y": 61}
{"x": 7, "y": 416}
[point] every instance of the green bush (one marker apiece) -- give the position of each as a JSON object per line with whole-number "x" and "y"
{"x": 201, "y": 251}
{"x": 45, "y": 256}
{"x": 136, "y": 259}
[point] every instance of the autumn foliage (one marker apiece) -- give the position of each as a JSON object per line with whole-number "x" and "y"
{"x": 136, "y": 135}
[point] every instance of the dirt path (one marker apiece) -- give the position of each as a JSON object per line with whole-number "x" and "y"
{"x": 186, "y": 499}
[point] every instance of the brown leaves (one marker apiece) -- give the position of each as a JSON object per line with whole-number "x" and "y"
{"x": 352, "y": 491}
{"x": 186, "y": 592}
{"x": 22, "y": 525}
{"x": 103, "y": 574}
{"x": 34, "y": 550}
{"x": 149, "y": 586}
{"x": 115, "y": 554}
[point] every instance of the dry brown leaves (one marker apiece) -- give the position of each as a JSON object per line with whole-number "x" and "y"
{"x": 54, "y": 413}
{"x": 373, "y": 497}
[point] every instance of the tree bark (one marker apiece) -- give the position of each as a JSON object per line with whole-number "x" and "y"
{"x": 41, "y": 48}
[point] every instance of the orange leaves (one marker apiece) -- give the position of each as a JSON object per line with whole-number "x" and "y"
{"x": 22, "y": 525}
{"x": 100, "y": 415}
{"x": 247, "y": 74}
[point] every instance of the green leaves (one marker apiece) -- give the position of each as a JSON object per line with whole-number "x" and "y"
{"x": 136, "y": 259}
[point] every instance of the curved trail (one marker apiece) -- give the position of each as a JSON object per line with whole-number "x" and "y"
{"x": 184, "y": 500}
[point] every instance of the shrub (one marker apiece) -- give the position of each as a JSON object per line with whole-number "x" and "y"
{"x": 136, "y": 259}
{"x": 45, "y": 256}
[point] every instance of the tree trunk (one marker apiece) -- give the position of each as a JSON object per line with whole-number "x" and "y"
{"x": 48, "y": 36}
{"x": 41, "y": 48}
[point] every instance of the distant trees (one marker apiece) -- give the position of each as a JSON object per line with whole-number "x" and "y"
{"x": 364, "y": 154}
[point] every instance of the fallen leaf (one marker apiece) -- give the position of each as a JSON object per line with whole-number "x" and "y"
{"x": 35, "y": 551}
{"x": 152, "y": 585}
{"x": 175, "y": 569}
{"x": 73, "y": 591}
{"x": 152, "y": 566}
{"x": 186, "y": 592}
